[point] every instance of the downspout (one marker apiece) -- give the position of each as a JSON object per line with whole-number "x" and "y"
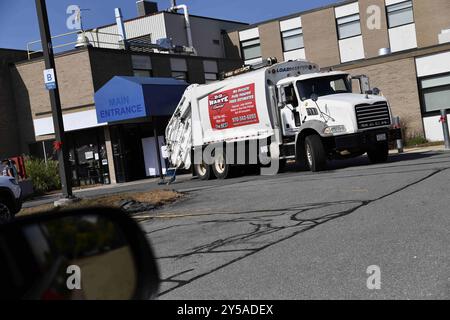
{"x": 121, "y": 26}
{"x": 187, "y": 20}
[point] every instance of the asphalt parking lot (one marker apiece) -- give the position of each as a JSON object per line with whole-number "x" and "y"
{"x": 301, "y": 235}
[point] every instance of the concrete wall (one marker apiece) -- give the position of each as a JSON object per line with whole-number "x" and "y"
{"x": 196, "y": 71}
{"x": 232, "y": 45}
{"x": 373, "y": 38}
{"x": 270, "y": 36}
{"x": 431, "y": 17}
{"x": 320, "y": 35}
{"x": 32, "y": 99}
{"x": 105, "y": 64}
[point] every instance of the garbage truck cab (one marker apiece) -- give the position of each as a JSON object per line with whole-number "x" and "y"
{"x": 309, "y": 116}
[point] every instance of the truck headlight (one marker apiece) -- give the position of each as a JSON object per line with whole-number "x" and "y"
{"x": 335, "y": 129}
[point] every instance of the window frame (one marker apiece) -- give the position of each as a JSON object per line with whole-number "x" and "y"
{"x": 211, "y": 80}
{"x": 396, "y": 4}
{"x": 292, "y": 36}
{"x": 347, "y": 23}
{"x": 422, "y": 92}
{"x": 254, "y": 45}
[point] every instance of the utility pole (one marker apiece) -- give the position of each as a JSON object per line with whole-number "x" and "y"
{"x": 60, "y": 143}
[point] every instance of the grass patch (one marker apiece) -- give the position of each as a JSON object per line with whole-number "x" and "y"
{"x": 415, "y": 141}
{"x": 155, "y": 197}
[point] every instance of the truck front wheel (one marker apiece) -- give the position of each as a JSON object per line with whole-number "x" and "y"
{"x": 379, "y": 153}
{"x": 220, "y": 168}
{"x": 315, "y": 153}
{"x": 203, "y": 171}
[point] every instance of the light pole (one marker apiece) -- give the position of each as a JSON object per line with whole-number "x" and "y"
{"x": 55, "y": 102}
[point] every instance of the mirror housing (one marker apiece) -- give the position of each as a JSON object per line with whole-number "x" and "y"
{"x": 110, "y": 250}
{"x": 376, "y": 91}
{"x": 314, "y": 97}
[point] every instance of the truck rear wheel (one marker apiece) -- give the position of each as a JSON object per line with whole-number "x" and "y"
{"x": 379, "y": 153}
{"x": 315, "y": 153}
{"x": 220, "y": 168}
{"x": 203, "y": 171}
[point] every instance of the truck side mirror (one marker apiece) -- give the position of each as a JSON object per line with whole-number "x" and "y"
{"x": 376, "y": 91}
{"x": 314, "y": 97}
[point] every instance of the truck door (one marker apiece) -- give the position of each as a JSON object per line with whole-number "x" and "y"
{"x": 289, "y": 111}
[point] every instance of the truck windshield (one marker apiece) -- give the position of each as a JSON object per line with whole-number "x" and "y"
{"x": 323, "y": 86}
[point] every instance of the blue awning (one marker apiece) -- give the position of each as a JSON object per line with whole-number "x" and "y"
{"x": 124, "y": 98}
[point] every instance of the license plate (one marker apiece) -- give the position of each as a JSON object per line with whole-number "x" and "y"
{"x": 381, "y": 137}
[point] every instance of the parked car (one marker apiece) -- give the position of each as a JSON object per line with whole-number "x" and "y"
{"x": 10, "y": 198}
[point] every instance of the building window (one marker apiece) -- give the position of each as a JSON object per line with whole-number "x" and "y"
{"x": 142, "y": 66}
{"x": 349, "y": 26}
{"x": 210, "y": 77}
{"x": 179, "y": 69}
{"x": 251, "y": 49}
{"x": 435, "y": 93}
{"x": 211, "y": 70}
{"x": 400, "y": 14}
{"x": 292, "y": 39}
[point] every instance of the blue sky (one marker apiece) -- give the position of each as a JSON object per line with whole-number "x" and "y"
{"x": 18, "y": 22}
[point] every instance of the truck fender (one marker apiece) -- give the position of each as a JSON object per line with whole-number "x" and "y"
{"x": 311, "y": 127}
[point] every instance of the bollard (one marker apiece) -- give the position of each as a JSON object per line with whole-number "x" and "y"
{"x": 399, "y": 142}
{"x": 444, "y": 122}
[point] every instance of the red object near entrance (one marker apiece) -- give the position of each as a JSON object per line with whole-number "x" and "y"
{"x": 57, "y": 145}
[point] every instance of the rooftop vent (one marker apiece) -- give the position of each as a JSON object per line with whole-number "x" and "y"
{"x": 145, "y": 7}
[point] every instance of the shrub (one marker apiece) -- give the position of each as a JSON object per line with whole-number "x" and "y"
{"x": 45, "y": 177}
{"x": 416, "y": 140}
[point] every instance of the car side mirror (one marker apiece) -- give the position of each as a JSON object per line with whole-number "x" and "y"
{"x": 376, "y": 91}
{"x": 314, "y": 97}
{"x": 89, "y": 254}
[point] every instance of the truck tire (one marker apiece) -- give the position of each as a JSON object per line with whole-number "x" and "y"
{"x": 203, "y": 171}
{"x": 220, "y": 168}
{"x": 282, "y": 166}
{"x": 379, "y": 153}
{"x": 6, "y": 213}
{"x": 316, "y": 158}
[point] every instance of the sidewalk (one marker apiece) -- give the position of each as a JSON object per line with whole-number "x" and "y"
{"x": 421, "y": 149}
{"x": 98, "y": 191}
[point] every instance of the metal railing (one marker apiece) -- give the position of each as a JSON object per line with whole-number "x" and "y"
{"x": 94, "y": 37}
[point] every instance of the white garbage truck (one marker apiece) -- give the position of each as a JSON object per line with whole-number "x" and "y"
{"x": 284, "y": 111}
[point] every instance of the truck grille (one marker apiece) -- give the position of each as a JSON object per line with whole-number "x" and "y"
{"x": 372, "y": 115}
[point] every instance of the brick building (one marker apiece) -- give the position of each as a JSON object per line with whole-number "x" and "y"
{"x": 406, "y": 53}
{"x": 412, "y": 35}
{"x": 116, "y": 151}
